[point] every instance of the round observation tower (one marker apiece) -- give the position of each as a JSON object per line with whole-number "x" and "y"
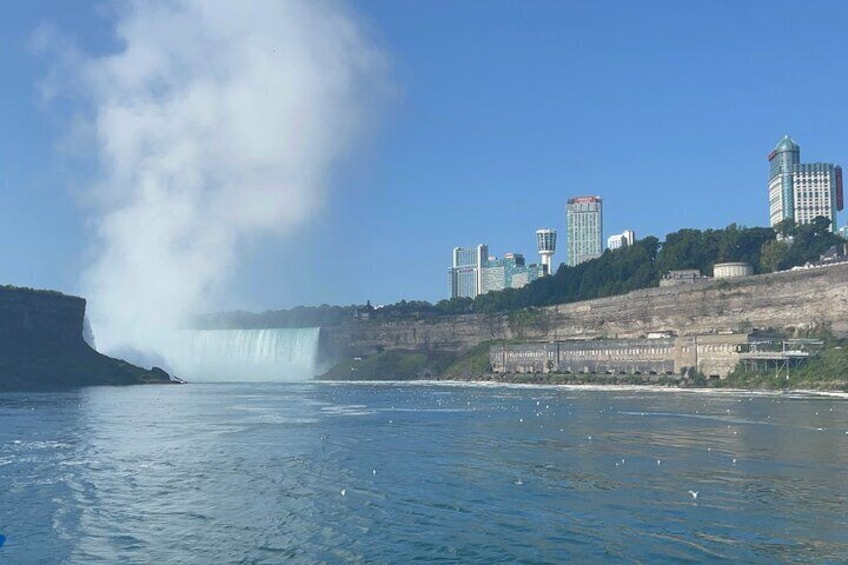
{"x": 546, "y": 243}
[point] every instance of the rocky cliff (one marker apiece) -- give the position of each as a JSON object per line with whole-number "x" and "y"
{"x": 42, "y": 346}
{"x": 795, "y": 301}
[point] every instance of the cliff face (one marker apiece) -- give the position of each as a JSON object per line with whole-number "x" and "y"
{"x": 798, "y": 300}
{"x": 40, "y": 316}
{"x": 42, "y": 346}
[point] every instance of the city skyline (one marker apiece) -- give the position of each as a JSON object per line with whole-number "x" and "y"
{"x": 490, "y": 119}
{"x": 474, "y": 272}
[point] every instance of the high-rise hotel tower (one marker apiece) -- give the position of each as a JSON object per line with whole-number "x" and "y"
{"x": 584, "y": 223}
{"x": 466, "y": 270}
{"x": 802, "y": 191}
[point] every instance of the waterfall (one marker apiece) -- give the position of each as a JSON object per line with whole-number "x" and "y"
{"x": 88, "y": 333}
{"x": 277, "y": 354}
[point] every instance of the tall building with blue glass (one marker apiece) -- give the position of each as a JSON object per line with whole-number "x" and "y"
{"x": 474, "y": 272}
{"x": 802, "y": 191}
{"x": 509, "y": 272}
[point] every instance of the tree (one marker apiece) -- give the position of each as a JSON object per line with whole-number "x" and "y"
{"x": 785, "y": 227}
{"x": 651, "y": 245}
{"x": 730, "y": 244}
{"x": 772, "y": 255}
{"x": 821, "y": 226}
{"x": 456, "y": 305}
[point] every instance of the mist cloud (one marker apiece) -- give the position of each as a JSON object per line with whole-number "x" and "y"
{"x": 214, "y": 122}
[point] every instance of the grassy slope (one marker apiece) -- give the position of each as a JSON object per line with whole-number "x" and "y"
{"x": 826, "y": 371}
{"x": 472, "y": 364}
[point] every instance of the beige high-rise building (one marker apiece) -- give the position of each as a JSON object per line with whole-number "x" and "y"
{"x": 584, "y": 222}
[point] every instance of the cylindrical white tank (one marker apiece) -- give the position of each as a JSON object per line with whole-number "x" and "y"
{"x": 732, "y": 270}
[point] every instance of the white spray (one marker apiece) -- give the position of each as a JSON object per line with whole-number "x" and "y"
{"x": 214, "y": 121}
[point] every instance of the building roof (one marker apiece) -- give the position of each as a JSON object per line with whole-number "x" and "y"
{"x": 786, "y": 143}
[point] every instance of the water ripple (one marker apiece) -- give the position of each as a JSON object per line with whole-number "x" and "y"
{"x": 401, "y": 472}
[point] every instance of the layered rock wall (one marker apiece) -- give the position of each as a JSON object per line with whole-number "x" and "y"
{"x": 41, "y": 316}
{"x": 793, "y": 301}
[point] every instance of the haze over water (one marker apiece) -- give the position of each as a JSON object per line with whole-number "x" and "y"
{"x": 321, "y": 472}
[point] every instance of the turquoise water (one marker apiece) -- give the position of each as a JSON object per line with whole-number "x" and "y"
{"x": 394, "y": 473}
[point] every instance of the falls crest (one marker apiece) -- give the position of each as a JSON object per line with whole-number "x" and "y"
{"x": 275, "y": 354}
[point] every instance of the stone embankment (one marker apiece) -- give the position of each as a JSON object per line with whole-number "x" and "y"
{"x": 792, "y": 302}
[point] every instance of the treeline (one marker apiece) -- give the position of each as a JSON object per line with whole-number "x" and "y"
{"x": 644, "y": 263}
{"x": 798, "y": 245}
{"x": 615, "y": 272}
{"x": 299, "y": 317}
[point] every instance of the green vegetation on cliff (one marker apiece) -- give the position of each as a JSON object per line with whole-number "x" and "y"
{"x": 613, "y": 273}
{"x": 472, "y": 364}
{"x": 644, "y": 263}
{"x": 828, "y": 370}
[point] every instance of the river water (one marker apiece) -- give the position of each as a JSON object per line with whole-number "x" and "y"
{"x": 393, "y": 473}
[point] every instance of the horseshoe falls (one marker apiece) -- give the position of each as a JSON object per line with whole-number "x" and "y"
{"x": 244, "y": 355}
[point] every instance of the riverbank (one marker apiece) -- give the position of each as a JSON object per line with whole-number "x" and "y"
{"x": 825, "y": 373}
{"x": 675, "y": 381}
{"x": 750, "y": 382}
{"x": 753, "y": 382}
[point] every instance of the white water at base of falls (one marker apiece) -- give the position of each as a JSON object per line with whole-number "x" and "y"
{"x": 275, "y": 354}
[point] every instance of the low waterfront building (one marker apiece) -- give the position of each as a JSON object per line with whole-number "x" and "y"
{"x": 711, "y": 355}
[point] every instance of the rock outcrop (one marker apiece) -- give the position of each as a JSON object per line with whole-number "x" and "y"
{"x": 42, "y": 345}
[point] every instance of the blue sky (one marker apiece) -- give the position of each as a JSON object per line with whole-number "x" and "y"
{"x": 499, "y": 112}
